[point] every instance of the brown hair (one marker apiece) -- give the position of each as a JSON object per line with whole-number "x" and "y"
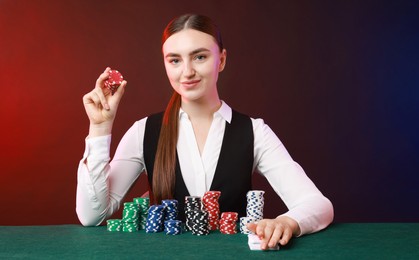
{"x": 165, "y": 161}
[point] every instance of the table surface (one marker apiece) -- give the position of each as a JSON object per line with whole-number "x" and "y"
{"x": 338, "y": 241}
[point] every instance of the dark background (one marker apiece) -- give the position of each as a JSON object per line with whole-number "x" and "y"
{"x": 336, "y": 80}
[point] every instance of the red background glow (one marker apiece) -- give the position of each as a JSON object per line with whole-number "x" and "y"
{"x": 336, "y": 81}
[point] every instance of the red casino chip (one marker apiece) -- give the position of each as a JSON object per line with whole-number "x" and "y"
{"x": 230, "y": 216}
{"x": 114, "y": 80}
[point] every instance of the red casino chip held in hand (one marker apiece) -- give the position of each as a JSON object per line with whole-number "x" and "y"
{"x": 114, "y": 80}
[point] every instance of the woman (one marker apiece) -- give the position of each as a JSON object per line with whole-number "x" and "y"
{"x": 198, "y": 144}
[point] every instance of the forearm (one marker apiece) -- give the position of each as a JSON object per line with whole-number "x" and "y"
{"x": 93, "y": 202}
{"x": 312, "y": 215}
{"x": 91, "y": 206}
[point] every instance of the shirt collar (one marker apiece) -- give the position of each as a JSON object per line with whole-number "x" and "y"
{"x": 224, "y": 111}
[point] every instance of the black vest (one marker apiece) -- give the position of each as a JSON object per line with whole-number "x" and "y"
{"x": 233, "y": 174}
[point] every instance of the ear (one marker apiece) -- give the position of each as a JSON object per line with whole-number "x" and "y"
{"x": 223, "y": 59}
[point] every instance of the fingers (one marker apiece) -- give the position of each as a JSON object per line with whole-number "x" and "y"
{"x": 252, "y": 227}
{"x": 275, "y": 236}
{"x": 121, "y": 89}
{"x": 103, "y": 77}
{"x": 271, "y": 232}
{"x": 91, "y": 98}
{"x": 264, "y": 230}
{"x": 99, "y": 88}
{"x": 286, "y": 236}
{"x": 117, "y": 95}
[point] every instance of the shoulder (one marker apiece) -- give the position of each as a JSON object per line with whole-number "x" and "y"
{"x": 257, "y": 123}
{"x": 262, "y": 131}
{"x": 141, "y": 123}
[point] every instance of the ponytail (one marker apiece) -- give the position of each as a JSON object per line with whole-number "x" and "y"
{"x": 165, "y": 161}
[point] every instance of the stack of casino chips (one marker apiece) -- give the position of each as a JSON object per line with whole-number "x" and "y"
{"x": 228, "y": 222}
{"x": 130, "y": 216}
{"x": 255, "y": 203}
{"x": 211, "y": 205}
{"x": 200, "y": 222}
{"x": 173, "y": 227}
{"x": 254, "y": 209}
{"x": 143, "y": 204}
{"x": 171, "y": 209}
{"x": 155, "y": 219}
{"x": 114, "y": 225}
{"x": 192, "y": 203}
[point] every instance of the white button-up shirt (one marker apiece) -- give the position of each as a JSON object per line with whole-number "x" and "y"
{"x": 102, "y": 183}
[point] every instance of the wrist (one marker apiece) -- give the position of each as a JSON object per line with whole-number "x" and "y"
{"x": 293, "y": 224}
{"x": 100, "y": 129}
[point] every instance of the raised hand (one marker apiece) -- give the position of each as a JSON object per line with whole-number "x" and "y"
{"x": 101, "y": 105}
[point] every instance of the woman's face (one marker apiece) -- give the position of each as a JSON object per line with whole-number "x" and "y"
{"x": 193, "y": 61}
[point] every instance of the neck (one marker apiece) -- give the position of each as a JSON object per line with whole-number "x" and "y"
{"x": 201, "y": 108}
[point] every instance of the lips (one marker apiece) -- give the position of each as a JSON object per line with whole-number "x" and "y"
{"x": 190, "y": 83}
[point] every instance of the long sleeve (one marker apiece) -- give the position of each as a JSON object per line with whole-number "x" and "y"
{"x": 102, "y": 183}
{"x": 306, "y": 204}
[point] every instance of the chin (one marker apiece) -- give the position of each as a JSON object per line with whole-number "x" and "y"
{"x": 192, "y": 95}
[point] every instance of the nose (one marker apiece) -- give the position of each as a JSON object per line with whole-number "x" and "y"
{"x": 188, "y": 70}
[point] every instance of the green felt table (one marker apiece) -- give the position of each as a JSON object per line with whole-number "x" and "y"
{"x": 338, "y": 241}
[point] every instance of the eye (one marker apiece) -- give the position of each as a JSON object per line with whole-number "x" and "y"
{"x": 200, "y": 57}
{"x": 174, "y": 61}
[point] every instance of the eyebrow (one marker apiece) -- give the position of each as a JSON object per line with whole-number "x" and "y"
{"x": 171, "y": 54}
